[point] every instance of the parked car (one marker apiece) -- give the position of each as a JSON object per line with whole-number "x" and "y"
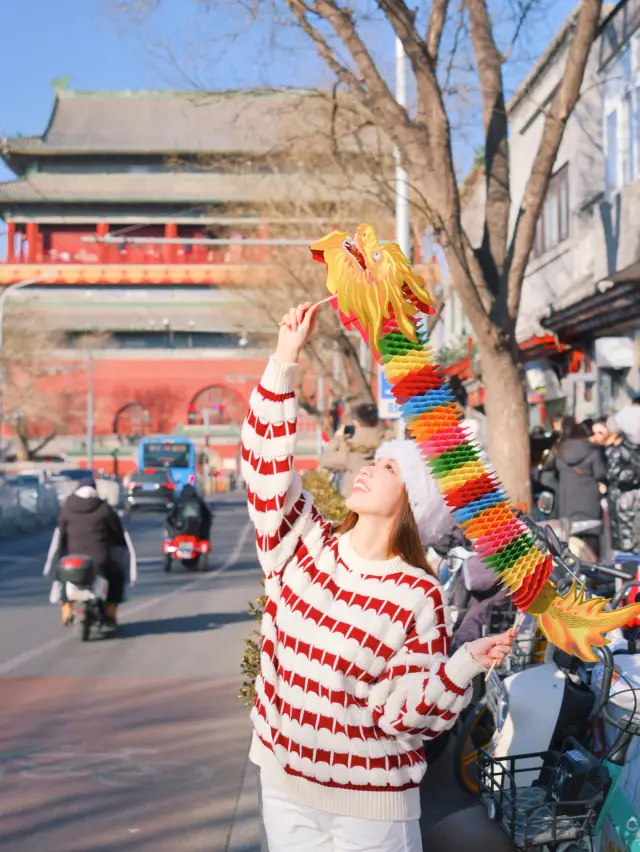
{"x": 149, "y": 489}
{"x": 36, "y": 495}
{"x": 66, "y": 481}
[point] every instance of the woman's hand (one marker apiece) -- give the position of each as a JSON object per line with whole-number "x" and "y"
{"x": 296, "y": 328}
{"x": 491, "y": 650}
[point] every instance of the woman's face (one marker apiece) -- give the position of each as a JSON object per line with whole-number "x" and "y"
{"x": 378, "y": 490}
{"x": 600, "y": 434}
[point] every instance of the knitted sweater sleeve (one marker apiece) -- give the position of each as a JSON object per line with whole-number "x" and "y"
{"x": 422, "y": 691}
{"x": 280, "y": 511}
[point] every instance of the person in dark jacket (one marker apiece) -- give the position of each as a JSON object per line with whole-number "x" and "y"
{"x": 190, "y": 515}
{"x": 622, "y": 457}
{"x": 580, "y": 469}
{"x": 89, "y": 526}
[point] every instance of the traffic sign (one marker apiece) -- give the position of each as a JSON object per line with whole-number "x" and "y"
{"x": 388, "y": 408}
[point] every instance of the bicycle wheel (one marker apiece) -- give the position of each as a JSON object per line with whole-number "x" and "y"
{"x": 475, "y": 733}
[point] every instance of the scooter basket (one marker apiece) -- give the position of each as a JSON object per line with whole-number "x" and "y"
{"x": 79, "y": 570}
{"x": 530, "y": 816}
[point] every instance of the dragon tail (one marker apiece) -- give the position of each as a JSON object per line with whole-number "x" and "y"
{"x": 575, "y": 624}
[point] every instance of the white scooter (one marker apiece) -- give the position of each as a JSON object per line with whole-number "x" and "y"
{"x": 537, "y": 709}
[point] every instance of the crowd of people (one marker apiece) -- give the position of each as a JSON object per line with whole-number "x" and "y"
{"x": 592, "y": 468}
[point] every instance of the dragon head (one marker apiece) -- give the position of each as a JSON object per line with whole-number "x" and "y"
{"x": 372, "y": 282}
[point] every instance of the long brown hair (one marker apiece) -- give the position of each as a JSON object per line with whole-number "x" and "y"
{"x": 404, "y": 538}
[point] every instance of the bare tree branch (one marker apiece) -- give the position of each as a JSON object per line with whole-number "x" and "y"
{"x": 342, "y": 73}
{"x": 494, "y": 245}
{"x": 566, "y": 97}
{"x": 371, "y": 87}
{"x": 437, "y": 19}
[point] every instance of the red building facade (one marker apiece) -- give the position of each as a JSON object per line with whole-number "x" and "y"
{"x": 176, "y": 340}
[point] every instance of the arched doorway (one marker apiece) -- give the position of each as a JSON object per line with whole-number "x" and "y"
{"x": 216, "y": 405}
{"x": 132, "y": 421}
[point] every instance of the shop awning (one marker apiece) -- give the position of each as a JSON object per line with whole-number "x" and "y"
{"x": 598, "y": 313}
{"x": 540, "y": 346}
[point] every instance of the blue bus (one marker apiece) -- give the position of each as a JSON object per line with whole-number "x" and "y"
{"x": 172, "y": 453}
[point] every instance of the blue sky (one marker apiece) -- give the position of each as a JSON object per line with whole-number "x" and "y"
{"x": 176, "y": 46}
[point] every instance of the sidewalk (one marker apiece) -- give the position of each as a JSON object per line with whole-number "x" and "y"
{"x": 246, "y": 833}
{"x": 439, "y": 794}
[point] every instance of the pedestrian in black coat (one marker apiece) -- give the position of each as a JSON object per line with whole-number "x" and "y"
{"x": 580, "y": 467}
{"x": 622, "y": 457}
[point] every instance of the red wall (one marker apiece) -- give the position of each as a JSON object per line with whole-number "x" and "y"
{"x": 164, "y": 387}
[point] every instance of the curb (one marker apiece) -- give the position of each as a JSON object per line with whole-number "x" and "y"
{"x": 247, "y": 833}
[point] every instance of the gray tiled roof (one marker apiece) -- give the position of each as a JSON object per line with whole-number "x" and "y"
{"x": 180, "y": 187}
{"x": 172, "y": 122}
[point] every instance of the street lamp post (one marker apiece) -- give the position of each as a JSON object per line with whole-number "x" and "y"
{"x": 403, "y": 233}
{"x": 90, "y": 410}
{"x": 11, "y": 288}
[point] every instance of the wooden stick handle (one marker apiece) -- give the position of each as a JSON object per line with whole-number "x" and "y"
{"x": 317, "y": 305}
{"x": 516, "y": 626}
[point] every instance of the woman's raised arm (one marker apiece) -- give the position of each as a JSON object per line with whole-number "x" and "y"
{"x": 278, "y": 508}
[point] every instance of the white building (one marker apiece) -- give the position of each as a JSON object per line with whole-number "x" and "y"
{"x": 582, "y": 281}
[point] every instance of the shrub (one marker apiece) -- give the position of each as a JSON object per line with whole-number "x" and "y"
{"x": 330, "y": 504}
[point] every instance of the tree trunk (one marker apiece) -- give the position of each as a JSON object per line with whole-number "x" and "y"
{"x": 23, "y": 452}
{"x": 507, "y": 420}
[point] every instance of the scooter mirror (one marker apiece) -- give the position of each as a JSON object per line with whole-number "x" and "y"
{"x": 553, "y": 542}
{"x": 545, "y": 502}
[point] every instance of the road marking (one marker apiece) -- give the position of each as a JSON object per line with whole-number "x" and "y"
{"x": 20, "y": 559}
{"x": 53, "y": 644}
{"x": 235, "y": 553}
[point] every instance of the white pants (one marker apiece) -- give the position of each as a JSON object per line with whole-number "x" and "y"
{"x": 291, "y": 827}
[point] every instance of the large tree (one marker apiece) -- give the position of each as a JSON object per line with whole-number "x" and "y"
{"x": 489, "y": 278}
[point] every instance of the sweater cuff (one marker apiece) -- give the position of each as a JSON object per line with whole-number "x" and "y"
{"x": 461, "y": 668}
{"x": 279, "y": 378}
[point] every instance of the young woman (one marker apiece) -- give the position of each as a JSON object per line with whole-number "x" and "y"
{"x": 354, "y": 667}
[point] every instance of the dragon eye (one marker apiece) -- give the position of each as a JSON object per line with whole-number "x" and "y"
{"x": 377, "y": 255}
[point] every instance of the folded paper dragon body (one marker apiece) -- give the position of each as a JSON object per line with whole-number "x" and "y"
{"x": 377, "y": 293}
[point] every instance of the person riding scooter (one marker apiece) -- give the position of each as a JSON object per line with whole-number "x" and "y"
{"x": 89, "y": 526}
{"x": 190, "y": 515}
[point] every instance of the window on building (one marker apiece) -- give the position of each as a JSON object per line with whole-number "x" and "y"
{"x": 622, "y": 116}
{"x": 553, "y": 224}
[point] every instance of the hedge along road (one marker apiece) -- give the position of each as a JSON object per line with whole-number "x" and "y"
{"x": 136, "y": 741}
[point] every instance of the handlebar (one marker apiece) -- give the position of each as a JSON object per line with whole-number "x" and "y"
{"x": 623, "y": 723}
{"x": 608, "y": 571}
{"x": 622, "y": 591}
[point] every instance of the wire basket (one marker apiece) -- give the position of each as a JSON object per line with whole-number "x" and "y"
{"x": 501, "y": 617}
{"x": 528, "y": 650}
{"x": 528, "y": 815}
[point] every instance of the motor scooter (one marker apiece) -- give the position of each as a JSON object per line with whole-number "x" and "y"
{"x": 86, "y": 591}
{"x": 576, "y": 800}
{"x": 536, "y": 709}
{"x": 192, "y": 551}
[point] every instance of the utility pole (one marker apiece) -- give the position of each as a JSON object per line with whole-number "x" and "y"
{"x": 90, "y": 410}
{"x": 403, "y": 234}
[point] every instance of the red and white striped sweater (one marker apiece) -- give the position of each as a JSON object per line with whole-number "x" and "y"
{"x": 354, "y": 670}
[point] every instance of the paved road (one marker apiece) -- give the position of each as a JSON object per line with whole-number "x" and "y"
{"x": 138, "y": 742}
{"x": 135, "y": 742}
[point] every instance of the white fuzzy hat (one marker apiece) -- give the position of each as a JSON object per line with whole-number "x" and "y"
{"x": 430, "y": 512}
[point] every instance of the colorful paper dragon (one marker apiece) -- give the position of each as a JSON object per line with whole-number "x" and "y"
{"x": 377, "y": 293}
